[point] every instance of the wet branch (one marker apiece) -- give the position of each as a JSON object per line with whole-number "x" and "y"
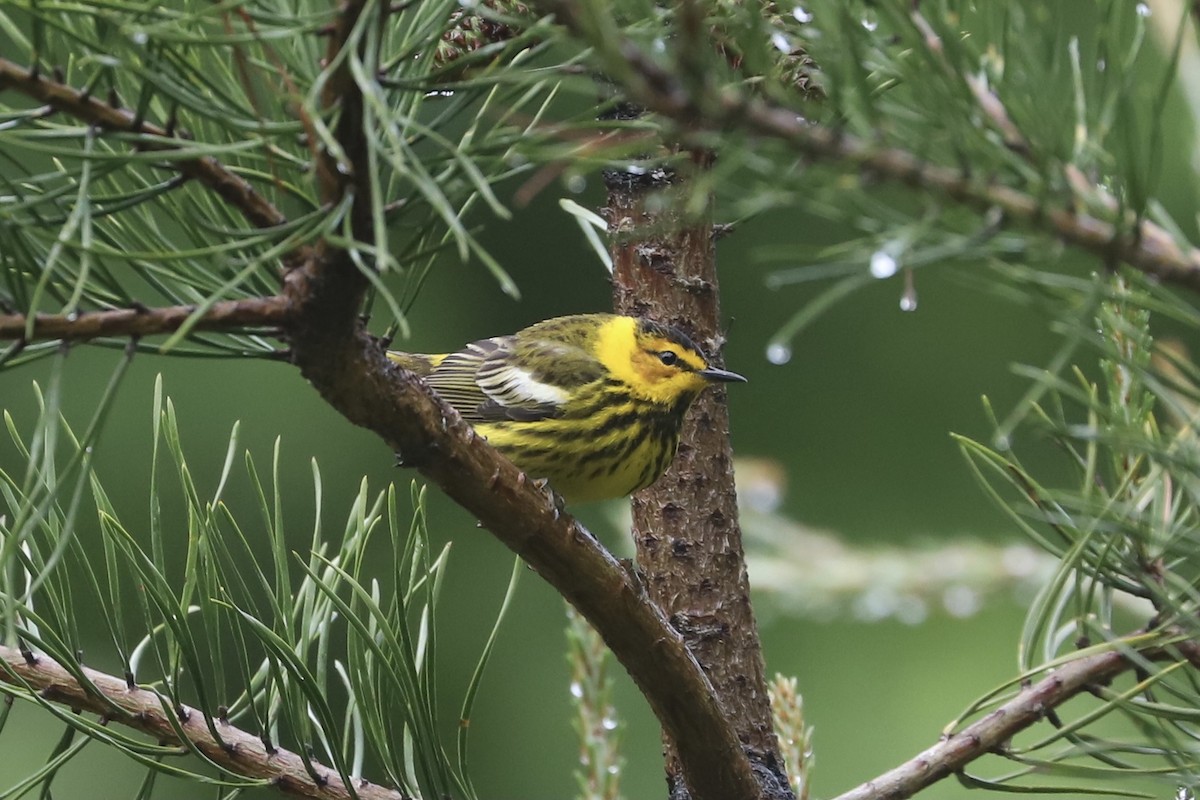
{"x": 318, "y": 311}
{"x": 209, "y": 171}
{"x": 228, "y": 315}
{"x": 1030, "y": 706}
{"x": 698, "y": 106}
{"x": 350, "y": 371}
{"x": 145, "y": 710}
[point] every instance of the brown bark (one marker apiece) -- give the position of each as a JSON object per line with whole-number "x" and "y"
{"x": 685, "y": 526}
{"x": 228, "y": 315}
{"x": 220, "y": 742}
{"x": 351, "y": 372}
{"x": 81, "y": 105}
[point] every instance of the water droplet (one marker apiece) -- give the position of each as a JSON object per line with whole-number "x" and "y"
{"x": 659, "y": 46}
{"x": 908, "y": 300}
{"x": 1100, "y": 65}
{"x": 781, "y": 42}
{"x": 576, "y": 183}
{"x": 779, "y": 353}
{"x": 609, "y": 724}
{"x": 1002, "y": 443}
{"x": 140, "y": 38}
{"x": 870, "y": 24}
{"x": 1143, "y": 9}
{"x": 635, "y": 169}
{"x": 613, "y": 769}
{"x": 883, "y": 264}
{"x": 801, "y": 15}
{"x": 576, "y": 689}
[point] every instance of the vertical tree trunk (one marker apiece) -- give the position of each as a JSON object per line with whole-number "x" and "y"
{"x": 685, "y": 526}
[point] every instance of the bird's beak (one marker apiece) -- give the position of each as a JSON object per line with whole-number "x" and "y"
{"x": 721, "y": 375}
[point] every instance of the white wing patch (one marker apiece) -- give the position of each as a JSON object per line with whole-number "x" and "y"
{"x": 514, "y": 386}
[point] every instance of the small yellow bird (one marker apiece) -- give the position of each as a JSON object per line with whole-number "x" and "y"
{"x": 592, "y": 402}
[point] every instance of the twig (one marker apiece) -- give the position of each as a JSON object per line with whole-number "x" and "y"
{"x": 988, "y": 102}
{"x": 1143, "y": 245}
{"x": 227, "y": 315}
{"x": 991, "y": 732}
{"x": 207, "y": 170}
{"x": 143, "y": 709}
{"x": 600, "y": 762}
{"x": 349, "y": 170}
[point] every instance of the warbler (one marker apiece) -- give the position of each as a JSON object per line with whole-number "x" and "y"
{"x": 591, "y": 402}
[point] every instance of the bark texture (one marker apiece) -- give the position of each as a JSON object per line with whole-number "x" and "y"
{"x": 685, "y": 526}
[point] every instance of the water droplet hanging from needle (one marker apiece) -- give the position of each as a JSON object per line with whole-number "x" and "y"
{"x": 779, "y": 353}
{"x": 908, "y": 300}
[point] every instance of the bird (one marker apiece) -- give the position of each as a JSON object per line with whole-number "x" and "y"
{"x": 592, "y": 403}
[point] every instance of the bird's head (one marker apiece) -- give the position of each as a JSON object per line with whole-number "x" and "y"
{"x": 657, "y": 362}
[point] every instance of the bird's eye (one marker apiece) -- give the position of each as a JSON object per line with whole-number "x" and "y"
{"x": 668, "y": 357}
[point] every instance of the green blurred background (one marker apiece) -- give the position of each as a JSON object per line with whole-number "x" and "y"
{"x": 859, "y": 417}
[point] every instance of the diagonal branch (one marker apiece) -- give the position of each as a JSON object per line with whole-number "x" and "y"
{"x": 1030, "y": 706}
{"x": 355, "y": 377}
{"x": 351, "y": 372}
{"x": 210, "y": 172}
{"x": 226, "y": 315}
{"x": 1140, "y": 244}
{"x": 700, "y": 106}
{"x": 239, "y": 752}
{"x": 319, "y": 313}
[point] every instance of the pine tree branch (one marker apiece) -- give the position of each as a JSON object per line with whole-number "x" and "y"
{"x": 699, "y": 106}
{"x": 206, "y": 170}
{"x": 1030, "y": 706}
{"x": 319, "y": 313}
{"x": 145, "y": 710}
{"x": 226, "y": 315}
{"x": 351, "y": 372}
{"x": 346, "y": 169}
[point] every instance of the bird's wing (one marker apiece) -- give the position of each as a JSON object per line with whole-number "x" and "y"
{"x": 506, "y": 379}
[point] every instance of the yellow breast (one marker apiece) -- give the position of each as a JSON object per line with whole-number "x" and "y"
{"x": 585, "y": 468}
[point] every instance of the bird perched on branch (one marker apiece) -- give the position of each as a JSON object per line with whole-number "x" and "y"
{"x": 592, "y": 402}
